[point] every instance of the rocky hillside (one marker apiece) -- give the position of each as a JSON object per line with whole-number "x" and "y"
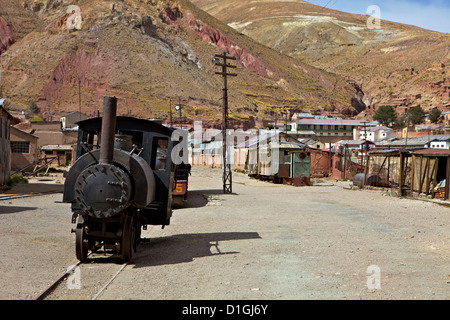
{"x": 398, "y": 64}
{"x": 148, "y": 52}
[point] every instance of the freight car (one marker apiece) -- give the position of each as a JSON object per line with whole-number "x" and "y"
{"x": 121, "y": 181}
{"x": 282, "y": 162}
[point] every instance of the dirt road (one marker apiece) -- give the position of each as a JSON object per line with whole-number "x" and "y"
{"x": 264, "y": 241}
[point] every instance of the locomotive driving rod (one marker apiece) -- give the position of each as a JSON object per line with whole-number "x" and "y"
{"x": 108, "y": 130}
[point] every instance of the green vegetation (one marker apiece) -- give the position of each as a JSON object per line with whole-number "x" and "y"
{"x": 415, "y": 115}
{"x": 13, "y": 180}
{"x": 385, "y": 115}
{"x": 435, "y": 115}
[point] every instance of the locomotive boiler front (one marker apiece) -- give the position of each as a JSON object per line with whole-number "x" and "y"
{"x": 103, "y": 190}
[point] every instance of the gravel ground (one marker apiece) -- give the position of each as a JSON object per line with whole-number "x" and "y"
{"x": 264, "y": 241}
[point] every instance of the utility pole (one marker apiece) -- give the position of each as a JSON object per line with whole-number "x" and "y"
{"x": 79, "y": 95}
{"x": 227, "y": 173}
{"x": 1, "y": 67}
{"x": 365, "y": 142}
{"x": 170, "y": 112}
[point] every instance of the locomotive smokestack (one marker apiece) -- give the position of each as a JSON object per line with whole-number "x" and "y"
{"x": 108, "y": 130}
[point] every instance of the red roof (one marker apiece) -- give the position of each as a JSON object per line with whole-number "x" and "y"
{"x": 433, "y": 152}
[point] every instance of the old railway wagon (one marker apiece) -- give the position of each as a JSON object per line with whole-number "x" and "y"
{"x": 282, "y": 162}
{"x": 122, "y": 181}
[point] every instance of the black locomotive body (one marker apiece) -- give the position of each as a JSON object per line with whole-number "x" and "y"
{"x": 121, "y": 181}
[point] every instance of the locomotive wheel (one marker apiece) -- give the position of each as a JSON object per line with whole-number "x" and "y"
{"x": 128, "y": 238}
{"x": 81, "y": 246}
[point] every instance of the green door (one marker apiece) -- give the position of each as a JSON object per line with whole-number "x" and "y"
{"x": 300, "y": 164}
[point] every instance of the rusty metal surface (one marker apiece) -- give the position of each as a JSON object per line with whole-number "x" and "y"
{"x": 108, "y": 130}
{"x": 371, "y": 180}
{"x": 433, "y": 152}
{"x": 284, "y": 170}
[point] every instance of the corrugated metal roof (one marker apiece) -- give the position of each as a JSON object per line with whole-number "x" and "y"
{"x": 433, "y": 152}
{"x": 420, "y": 141}
{"x": 335, "y": 121}
{"x": 57, "y": 147}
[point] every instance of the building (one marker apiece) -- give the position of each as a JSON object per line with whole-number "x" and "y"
{"x": 5, "y": 149}
{"x": 417, "y": 143}
{"x": 24, "y": 151}
{"x": 62, "y": 154}
{"x": 355, "y": 149}
{"x": 330, "y": 130}
{"x": 376, "y": 133}
{"x": 69, "y": 120}
{"x": 440, "y": 143}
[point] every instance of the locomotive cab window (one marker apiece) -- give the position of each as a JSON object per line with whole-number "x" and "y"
{"x": 159, "y": 156}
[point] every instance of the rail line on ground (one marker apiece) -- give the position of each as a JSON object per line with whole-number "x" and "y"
{"x": 52, "y": 288}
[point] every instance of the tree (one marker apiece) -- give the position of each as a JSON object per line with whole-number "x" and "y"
{"x": 402, "y": 121}
{"x": 435, "y": 115}
{"x": 385, "y": 115}
{"x": 415, "y": 115}
{"x": 33, "y": 108}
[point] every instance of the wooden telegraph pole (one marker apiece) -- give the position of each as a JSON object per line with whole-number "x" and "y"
{"x": 221, "y": 61}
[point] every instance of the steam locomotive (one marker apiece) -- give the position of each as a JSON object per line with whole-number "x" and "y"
{"x": 122, "y": 180}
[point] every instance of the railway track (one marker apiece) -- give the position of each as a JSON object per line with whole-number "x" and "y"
{"x": 84, "y": 281}
{"x": 19, "y": 196}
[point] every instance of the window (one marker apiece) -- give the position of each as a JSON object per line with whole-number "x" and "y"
{"x": 20, "y": 146}
{"x": 159, "y": 157}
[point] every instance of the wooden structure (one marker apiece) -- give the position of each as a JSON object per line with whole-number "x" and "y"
{"x": 393, "y": 167}
{"x": 424, "y": 172}
{"x": 431, "y": 173}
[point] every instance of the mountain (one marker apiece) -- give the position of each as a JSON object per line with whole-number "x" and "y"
{"x": 150, "y": 54}
{"x": 397, "y": 64}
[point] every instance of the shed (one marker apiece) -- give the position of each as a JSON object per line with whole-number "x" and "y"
{"x": 430, "y": 173}
{"x": 63, "y": 153}
{"x": 24, "y": 149}
{"x": 393, "y": 167}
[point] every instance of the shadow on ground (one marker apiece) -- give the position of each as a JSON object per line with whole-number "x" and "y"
{"x": 185, "y": 247}
{"x": 200, "y": 198}
{"x": 14, "y": 209}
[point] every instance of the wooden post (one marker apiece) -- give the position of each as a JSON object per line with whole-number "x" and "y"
{"x": 366, "y": 170}
{"x": 413, "y": 173}
{"x": 400, "y": 182}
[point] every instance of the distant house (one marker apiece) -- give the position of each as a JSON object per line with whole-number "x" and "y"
{"x": 51, "y": 133}
{"x": 69, "y": 120}
{"x": 356, "y": 149}
{"x": 24, "y": 149}
{"x": 376, "y": 133}
{"x": 332, "y": 129}
{"x": 423, "y": 142}
{"x": 440, "y": 143}
{"x": 61, "y": 153}
{"x": 5, "y": 148}
{"x": 302, "y": 115}
{"x": 429, "y": 128}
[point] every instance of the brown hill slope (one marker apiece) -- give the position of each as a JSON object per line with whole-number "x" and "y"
{"x": 397, "y": 64}
{"x": 147, "y": 52}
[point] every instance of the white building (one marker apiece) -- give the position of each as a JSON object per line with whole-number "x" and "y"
{"x": 376, "y": 133}
{"x": 440, "y": 143}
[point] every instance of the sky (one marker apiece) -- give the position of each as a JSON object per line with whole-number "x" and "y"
{"x": 428, "y": 14}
